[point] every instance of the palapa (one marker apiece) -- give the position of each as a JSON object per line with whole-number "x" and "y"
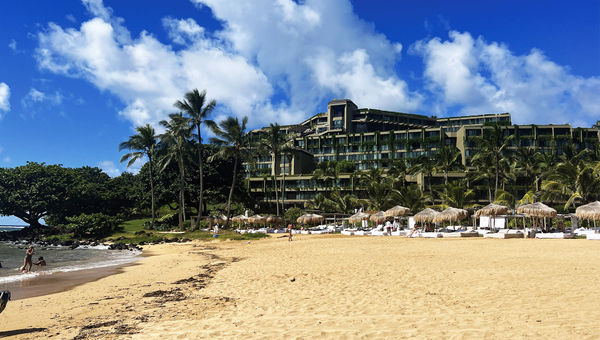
{"x": 358, "y": 217}
{"x": 397, "y": 211}
{"x": 239, "y": 218}
{"x": 378, "y": 217}
{"x": 451, "y": 214}
{"x": 257, "y": 219}
{"x": 537, "y": 209}
{"x": 425, "y": 215}
{"x": 274, "y": 219}
{"x": 492, "y": 210}
{"x": 590, "y": 211}
{"x": 310, "y": 219}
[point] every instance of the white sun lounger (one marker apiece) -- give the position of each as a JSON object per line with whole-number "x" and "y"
{"x": 553, "y": 235}
{"x": 593, "y": 236}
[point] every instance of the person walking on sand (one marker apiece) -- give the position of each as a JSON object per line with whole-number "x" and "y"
{"x": 290, "y": 231}
{"x": 28, "y": 259}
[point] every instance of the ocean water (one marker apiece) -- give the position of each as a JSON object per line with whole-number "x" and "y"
{"x": 58, "y": 259}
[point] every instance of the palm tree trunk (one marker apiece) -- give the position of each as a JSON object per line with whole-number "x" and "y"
{"x": 283, "y": 192}
{"x": 200, "y": 170}
{"x": 181, "y": 194}
{"x": 276, "y": 194}
{"x": 497, "y": 175}
{"x": 235, "y": 166}
{"x": 430, "y": 190}
{"x": 445, "y": 177}
{"x": 152, "y": 189}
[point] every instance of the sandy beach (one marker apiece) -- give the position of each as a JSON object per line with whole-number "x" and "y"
{"x": 331, "y": 287}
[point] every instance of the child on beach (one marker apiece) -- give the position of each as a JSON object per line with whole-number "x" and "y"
{"x": 290, "y": 230}
{"x": 28, "y": 260}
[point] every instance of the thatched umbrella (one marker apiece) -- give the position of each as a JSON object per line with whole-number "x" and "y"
{"x": 358, "y": 217}
{"x": 451, "y": 214}
{"x": 378, "y": 217}
{"x": 425, "y": 215}
{"x": 274, "y": 220}
{"x": 537, "y": 210}
{"x": 310, "y": 219}
{"x": 397, "y": 211}
{"x": 240, "y": 219}
{"x": 492, "y": 210}
{"x": 590, "y": 211}
{"x": 257, "y": 219}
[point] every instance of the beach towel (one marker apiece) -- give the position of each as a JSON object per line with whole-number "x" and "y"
{"x": 4, "y": 297}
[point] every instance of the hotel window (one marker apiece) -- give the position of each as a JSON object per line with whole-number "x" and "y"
{"x": 338, "y": 124}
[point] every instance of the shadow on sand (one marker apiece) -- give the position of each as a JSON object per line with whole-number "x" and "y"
{"x": 20, "y": 331}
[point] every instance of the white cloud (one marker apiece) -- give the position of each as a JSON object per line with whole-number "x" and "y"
{"x": 183, "y": 31}
{"x": 109, "y": 168}
{"x": 479, "y": 77}
{"x": 13, "y": 45}
{"x": 4, "y": 97}
{"x": 35, "y": 96}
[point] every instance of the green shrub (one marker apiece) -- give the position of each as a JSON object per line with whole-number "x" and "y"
{"x": 170, "y": 218}
{"x": 292, "y": 214}
{"x": 92, "y": 225}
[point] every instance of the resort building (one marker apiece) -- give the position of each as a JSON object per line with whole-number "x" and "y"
{"x": 372, "y": 138}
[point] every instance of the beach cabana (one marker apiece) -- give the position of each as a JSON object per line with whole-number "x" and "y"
{"x": 257, "y": 219}
{"x": 274, "y": 220}
{"x": 397, "y": 211}
{"x": 492, "y": 210}
{"x": 537, "y": 210}
{"x": 310, "y": 219}
{"x": 378, "y": 217}
{"x": 425, "y": 215}
{"x": 590, "y": 211}
{"x": 358, "y": 217}
{"x": 450, "y": 215}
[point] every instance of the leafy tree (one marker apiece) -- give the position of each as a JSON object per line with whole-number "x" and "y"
{"x": 447, "y": 159}
{"x": 93, "y": 226}
{"x": 378, "y": 189}
{"x": 327, "y": 172}
{"x": 174, "y": 144}
{"x": 410, "y": 196}
{"x": 492, "y": 146}
{"x": 142, "y": 144}
{"x": 292, "y": 214}
{"x": 197, "y": 109}
{"x": 230, "y": 135}
{"x": 571, "y": 181}
{"x": 423, "y": 165}
{"x": 457, "y": 195}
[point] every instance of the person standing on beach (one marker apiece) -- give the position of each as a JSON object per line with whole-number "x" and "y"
{"x": 290, "y": 231}
{"x": 28, "y": 260}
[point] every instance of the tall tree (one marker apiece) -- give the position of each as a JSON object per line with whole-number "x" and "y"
{"x": 378, "y": 188}
{"x": 175, "y": 141}
{"x": 493, "y": 144}
{"x": 230, "y": 135}
{"x": 447, "y": 159}
{"x": 197, "y": 109}
{"x": 527, "y": 161}
{"x": 275, "y": 143}
{"x": 423, "y": 165}
{"x": 142, "y": 144}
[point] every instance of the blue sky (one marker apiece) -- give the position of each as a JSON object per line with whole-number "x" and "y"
{"x": 77, "y": 76}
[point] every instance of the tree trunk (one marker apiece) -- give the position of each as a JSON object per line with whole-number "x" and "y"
{"x": 235, "y": 166}
{"x": 181, "y": 190}
{"x": 200, "y": 170}
{"x": 497, "y": 175}
{"x": 152, "y": 190}
{"x": 283, "y": 193}
{"x": 430, "y": 190}
{"x": 445, "y": 177}
{"x": 276, "y": 166}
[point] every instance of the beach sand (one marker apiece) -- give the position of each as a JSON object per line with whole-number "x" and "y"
{"x": 331, "y": 287}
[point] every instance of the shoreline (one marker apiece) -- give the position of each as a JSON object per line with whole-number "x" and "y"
{"x": 330, "y": 286}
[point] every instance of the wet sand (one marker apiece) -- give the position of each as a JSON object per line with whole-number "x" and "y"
{"x": 332, "y": 287}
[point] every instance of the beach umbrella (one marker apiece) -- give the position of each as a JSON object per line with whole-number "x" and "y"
{"x": 492, "y": 210}
{"x": 310, "y": 219}
{"x": 397, "y": 211}
{"x": 257, "y": 219}
{"x": 378, "y": 217}
{"x": 425, "y": 215}
{"x": 537, "y": 209}
{"x": 239, "y": 218}
{"x": 274, "y": 220}
{"x": 358, "y": 217}
{"x": 451, "y": 214}
{"x": 219, "y": 219}
{"x": 590, "y": 211}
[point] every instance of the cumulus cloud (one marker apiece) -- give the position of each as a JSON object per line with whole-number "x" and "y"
{"x": 313, "y": 51}
{"x": 35, "y": 96}
{"x": 183, "y": 31}
{"x": 479, "y": 76}
{"x": 109, "y": 168}
{"x": 4, "y": 97}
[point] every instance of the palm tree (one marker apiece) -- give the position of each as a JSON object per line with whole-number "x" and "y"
{"x": 398, "y": 171}
{"x": 275, "y": 144}
{"x": 482, "y": 170}
{"x": 142, "y": 144}
{"x": 423, "y": 165}
{"x": 343, "y": 203}
{"x": 527, "y": 161}
{"x": 327, "y": 172}
{"x": 570, "y": 182}
{"x": 457, "y": 195}
{"x": 230, "y": 135}
{"x": 378, "y": 188}
{"x": 493, "y": 144}
{"x": 175, "y": 141}
{"x": 197, "y": 109}
{"x": 410, "y": 196}
{"x": 447, "y": 159}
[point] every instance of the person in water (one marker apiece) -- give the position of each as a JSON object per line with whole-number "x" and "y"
{"x": 28, "y": 260}
{"x": 40, "y": 262}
